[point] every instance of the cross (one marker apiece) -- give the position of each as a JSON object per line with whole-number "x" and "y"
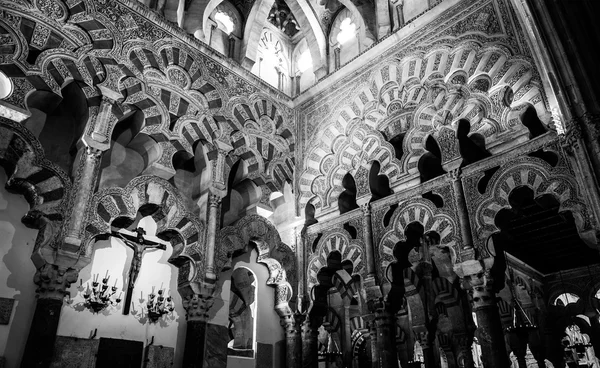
{"x": 136, "y": 241}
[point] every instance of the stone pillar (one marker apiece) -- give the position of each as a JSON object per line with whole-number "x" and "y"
{"x": 292, "y": 349}
{"x": 310, "y": 346}
{"x": 461, "y": 209}
{"x": 347, "y": 342}
{"x": 196, "y": 307}
{"x": 385, "y": 329}
{"x": 477, "y": 280}
{"x": 214, "y": 201}
{"x": 85, "y": 179}
{"x": 372, "y": 324}
{"x": 370, "y": 250}
{"x": 53, "y": 283}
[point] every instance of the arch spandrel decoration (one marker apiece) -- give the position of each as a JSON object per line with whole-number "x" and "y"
{"x": 156, "y": 196}
{"x": 432, "y": 218}
{"x": 336, "y": 240}
{"x": 542, "y": 179}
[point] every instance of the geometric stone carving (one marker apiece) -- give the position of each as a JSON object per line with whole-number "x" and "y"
{"x": 74, "y": 352}
{"x": 6, "y": 307}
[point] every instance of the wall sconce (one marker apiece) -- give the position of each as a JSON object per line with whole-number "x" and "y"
{"x": 100, "y": 296}
{"x": 159, "y": 305}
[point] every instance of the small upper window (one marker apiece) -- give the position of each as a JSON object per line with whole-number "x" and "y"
{"x": 5, "y": 86}
{"x": 565, "y": 299}
{"x": 225, "y": 22}
{"x": 305, "y": 61}
{"x": 347, "y": 31}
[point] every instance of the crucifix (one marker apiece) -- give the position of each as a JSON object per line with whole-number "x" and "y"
{"x": 136, "y": 241}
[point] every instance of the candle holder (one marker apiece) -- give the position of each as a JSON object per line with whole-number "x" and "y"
{"x": 100, "y": 296}
{"x": 158, "y": 305}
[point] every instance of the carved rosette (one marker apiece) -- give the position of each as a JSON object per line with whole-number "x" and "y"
{"x": 53, "y": 281}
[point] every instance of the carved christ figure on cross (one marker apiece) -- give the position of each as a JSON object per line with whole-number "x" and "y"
{"x": 136, "y": 241}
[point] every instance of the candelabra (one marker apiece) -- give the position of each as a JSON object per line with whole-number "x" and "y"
{"x": 159, "y": 305}
{"x": 100, "y": 296}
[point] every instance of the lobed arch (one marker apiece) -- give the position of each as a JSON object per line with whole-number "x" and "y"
{"x": 352, "y": 153}
{"x": 539, "y": 176}
{"x": 150, "y": 196}
{"x": 337, "y": 240}
{"x": 255, "y": 230}
{"x": 425, "y": 212}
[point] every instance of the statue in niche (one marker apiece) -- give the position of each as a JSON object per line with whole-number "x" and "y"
{"x": 136, "y": 241}
{"x": 242, "y": 312}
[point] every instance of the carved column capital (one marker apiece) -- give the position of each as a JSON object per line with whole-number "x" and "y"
{"x": 478, "y": 281}
{"x": 214, "y": 200}
{"x": 366, "y": 209}
{"x": 455, "y": 174}
{"x": 197, "y": 306}
{"x": 53, "y": 281}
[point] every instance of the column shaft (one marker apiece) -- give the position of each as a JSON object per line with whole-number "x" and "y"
{"x": 463, "y": 214}
{"x": 385, "y": 340}
{"x": 367, "y": 226}
{"x": 39, "y": 348}
{"x": 491, "y": 337}
{"x": 310, "y": 334}
{"x": 211, "y": 233}
{"x": 195, "y": 344}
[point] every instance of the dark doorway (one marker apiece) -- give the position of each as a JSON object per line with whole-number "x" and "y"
{"x": 117, "y": 353}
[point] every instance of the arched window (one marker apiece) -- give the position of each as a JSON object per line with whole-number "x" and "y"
{"x": 224, "y": 29}
{"x": 344, "y": 39}
{"x": 302, "y": 68}
{"x": 271, "y": 63}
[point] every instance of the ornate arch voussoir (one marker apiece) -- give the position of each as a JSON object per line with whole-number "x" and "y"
{"x": 542, "y": 179}
{"x": 44, "y": 185}
{"x": 151, "y": 196}
{"x": 427, "y": 214}
{"x": 336, "y": 240}
{"x": 257, "y": 231}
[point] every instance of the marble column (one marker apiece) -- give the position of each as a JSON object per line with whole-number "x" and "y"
{"x": 293, "y": 349}
{"x": 462, "y": 211}
{"x": 477, "y": 279}
{"x": 310, "y": 346}
{"x": 214, "y": 201}
{"x": 372, "y": 324}
{"x": 196, "y": 307}
{"x": 85, "y": 179}
{"x": 53, "y": 283}
{"x": 385, "y": 328}
{"x": 367, "y": 228}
